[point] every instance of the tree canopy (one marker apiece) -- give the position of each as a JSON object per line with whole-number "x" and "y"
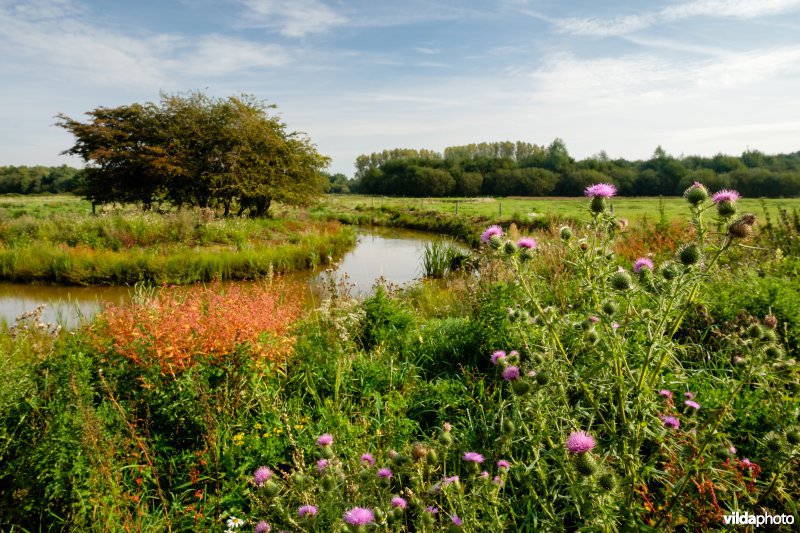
{"x": 524, "y": 169}
{"x": 195, "y": 150}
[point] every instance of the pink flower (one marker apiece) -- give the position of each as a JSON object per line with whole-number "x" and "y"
{"x": 326, "y": 439}
{"x": 498, "y": 356}
{"x": 665, "y": 393}
{"x": 485, "y": 474}
{"x": 262, "y": 527}
{"x": 367, "y": 459}
{"x": 615, "y": 326}
{"x": 502, "y": 464}
{"x": 642, "y": 262}
{"x": 359, "y": 516}
{"x": 580, "y": 442}
{"x": 448, "y": 480}
{"x": 307, "y": 510}
{"x": 397, "y": 501}
{"x": 688, "y": 395}
{"x": 490, "y": 232}
{"x": 473, "y": 457}
{"x": 511, "y": 373}
{"x": 527, "y": 242}
{"x": 593, "y": 319}
{"x": 322, "y": 464}
{"x": 499, "y": 481}
{"x": 725, "y": 195}
{"x": 433, "y": 510}
{"x": 384, "y": 473}
{"x": 456, "y": 520}
{"x": 261, "y": 476}
{"x": 691, "y": 403}
{"x": 605, "y": 190}
{"x": 671, "y": 422}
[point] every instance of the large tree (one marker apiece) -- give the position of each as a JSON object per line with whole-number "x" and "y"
{"x": 196, "y": 150}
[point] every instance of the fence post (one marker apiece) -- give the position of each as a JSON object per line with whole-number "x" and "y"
{"x": 456, "y": 207}
{"x": 499, "y": 210}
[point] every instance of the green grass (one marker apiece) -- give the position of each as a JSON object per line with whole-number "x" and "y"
{"x": 500, "y": 209}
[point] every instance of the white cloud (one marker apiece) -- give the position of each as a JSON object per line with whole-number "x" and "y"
{"x": 623, "y": 25}
{"x": 295, "y": 18}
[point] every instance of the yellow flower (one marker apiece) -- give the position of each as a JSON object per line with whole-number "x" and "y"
{"x": 257, "y": 426}
{"x": 298, "y": 426}
{"x": 266, "y": 435}
{"x": 278, "y": 431}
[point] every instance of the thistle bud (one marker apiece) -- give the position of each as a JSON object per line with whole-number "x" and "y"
{"x": 520, "y": 387}
{"x": 609, "y": 307}
{"x": 696, "y": 194}
{"x": 446, "y": 438}
{"x": 689, "y": 254}
{"x": 669, "y": 271}
{"x": 509, "y": 247}
{"x": 726, "y": 208}
{"x": 495, "y": 242}
{"x": 607, "y": 482}
{"x": 526, "y": 254}
{"x": 774, "y": 442}
{"x": 755, "y": 331}
{"x": 771, "y": 321}
{"x": 508, "y": 427}
{"x": 543, "y": 377}
{"x": 328, "y": 483}
{"x": 271, "y": 488}
{"x": 432, "y": 457}
{"x": 773, "y": 352}
{"x": 585, "y": 464}
{"x": 565, "y": 233}
{"x": 742, "y": 228}
{"x": 584, "y": 246}
{"x": 592, "y": 336}
{"x": 621, "y": 280}
{"x": 598, "y": 204}
{"x": 769, "y": 335}
{"x": 793, "y": 435}
{"x": 327, "y": 452}
{"x": 419, "y": 452}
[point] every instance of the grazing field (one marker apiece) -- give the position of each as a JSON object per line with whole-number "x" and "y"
{"x": 634, "y": 209}
{"x": 579, "y": 379}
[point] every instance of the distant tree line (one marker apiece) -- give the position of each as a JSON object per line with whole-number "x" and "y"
{"x": 193, "y": 150}
{"x": 38, "y": 179}
{"x": 524, "y": 169}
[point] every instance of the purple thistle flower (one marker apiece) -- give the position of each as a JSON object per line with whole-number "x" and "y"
{"x": 732, "y": 449}
{"x": 511, "y": 373}
{"x": 615, "y": 326}
{"x": 433, "y": 510}
{"x": 490, "y": 232}
{"x": 691, "y": 403}
{"x": 499, "y": 481}
{"x": 665, "y": 393}
{"x": 671, "y": 422}
{"x": 448, "y": 480}
{"x": 527, "y": 242}
{"x": 307, "y": 510}
{"x": 593, "y": 319}
{"x": 367, "y": 459}
{"x": 580, "y": 442}
{"x": 397, "y": 501}
{"x": 688, "y": 395}
{"x": 604, "y": 190}
{"x": 485, "y": 474}
{"x": 473, "y": 457}
{"x": 502, "y": 464}
{"x": 725, "y": 195}
{"x": 497, "y": 356}
{"x": 261, "y": 476}
{"x": 262, "y": 527}
{"x": 642, "y": 262}
{"x": 747, "y": 463}
{"x": 359, "y": 516}
{"x": 385, "y": 473}
{"x": 456, "y": 520}
{"x": 322, "y": 464}
{"x": 326, "y": 439}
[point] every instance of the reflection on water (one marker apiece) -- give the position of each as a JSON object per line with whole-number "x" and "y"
{"x": 393, "y": 254}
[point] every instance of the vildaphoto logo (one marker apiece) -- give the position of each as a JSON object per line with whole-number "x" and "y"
{"x": 758, "y": 520}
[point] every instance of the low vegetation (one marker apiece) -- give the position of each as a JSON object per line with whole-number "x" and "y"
{"x": 582, "y": 379}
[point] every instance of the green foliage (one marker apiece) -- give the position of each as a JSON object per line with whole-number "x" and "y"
{"x": 385, "y": 319}
{"x": 195, "y": 150}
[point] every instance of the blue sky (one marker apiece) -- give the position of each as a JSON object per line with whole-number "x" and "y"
{"x": 694, "y": 76}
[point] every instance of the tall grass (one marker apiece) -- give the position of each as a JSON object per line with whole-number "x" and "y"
{"x": 442, "y": 256}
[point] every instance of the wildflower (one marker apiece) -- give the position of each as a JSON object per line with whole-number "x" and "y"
{"x": 689, "y": 395}
{"x": 726, "y": 202}
{"x": 696, "y": 194}
{"x": 499, "y": 481}
{"x": 511, "y": 373}
{"x": 602, "y": 190}
{"x": 432, "y": 510}
{"x": 491, "y": 231}
{"x": 747, "y": 463}
{"x": 261, "y": 476}
{"x": 367, "y": 458}
{"x": 384, "y": 473}
{"x": 527, "y": 243}
{"x": 306, "y": 510}
{"x": 665, "y": 393}
{"x": 671, "y": 422}
{"x": 473, "y": 457}
{"x": 262, "y": 527}
{"x": 580, "y": 442}
{"x": 691, "y": 403}
{"x": 399, "y": 502}
{"x": 621, "y": 280}
{"x": 322, "y": 464}
{"x": 456, "y": 520}
{"x": 359, "y": 516}
{"x": 485, "y": 474}
{"x": 689, "y": 254}
{"x": 725, "y": 195}
{"x": 615, "y": 326}
{"x": 732, "y": 449}
{"x": 234, "y": 523}
{"x": 502, "y": 464}
{"x": 450, "y": 480}
{"x": 642, "y": 262}
{"x": 498, "y": 356}
{"x": 742, "y": 228}
{"x": 326, "y": 439}
{"x": 565, "y": 232}
{"x": 593, "y": 319}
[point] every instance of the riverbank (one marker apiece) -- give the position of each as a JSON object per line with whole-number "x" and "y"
{"x": 57, "y": 240}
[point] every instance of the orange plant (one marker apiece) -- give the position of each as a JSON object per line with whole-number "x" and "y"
{"x": 180, "y": 325}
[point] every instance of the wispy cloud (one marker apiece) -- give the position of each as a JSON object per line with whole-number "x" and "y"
{"x": 625, "y": 24}
{"x": 293, "y": 18}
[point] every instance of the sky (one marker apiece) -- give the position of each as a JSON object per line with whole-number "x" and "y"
{"x": 696, "y": 77}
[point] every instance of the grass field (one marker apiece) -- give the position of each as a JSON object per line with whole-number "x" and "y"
{"x": 634, "y": 209}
